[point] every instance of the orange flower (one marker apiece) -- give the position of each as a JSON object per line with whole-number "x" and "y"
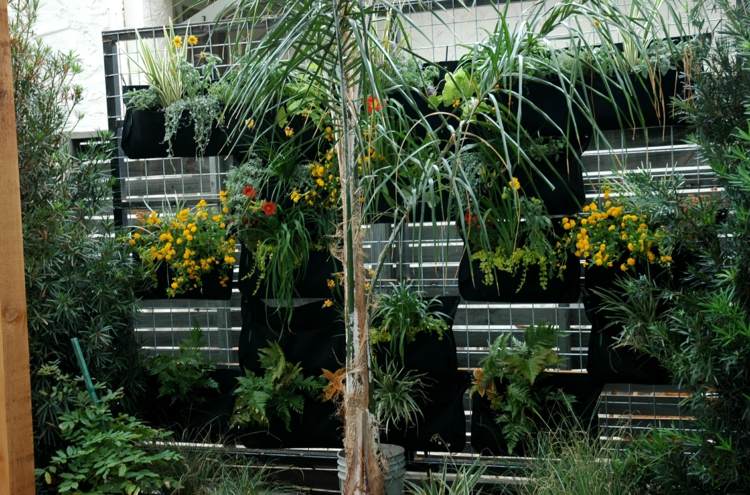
{"x": 373, "y": 104}
{"x": 335, "y": 386}
{"x": 269, "y": 208}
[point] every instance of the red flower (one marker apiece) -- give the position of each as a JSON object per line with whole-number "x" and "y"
{"x": 249, "y": 191}
{"x": 269, "y": 208}
{"x": 373, "y": 104}
{"x": 469, "y": 218}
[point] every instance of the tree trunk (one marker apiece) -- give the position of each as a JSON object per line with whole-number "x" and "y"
{"x": 364, "y": 475}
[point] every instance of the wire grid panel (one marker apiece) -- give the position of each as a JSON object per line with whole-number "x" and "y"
{"x": 426, "y": 254}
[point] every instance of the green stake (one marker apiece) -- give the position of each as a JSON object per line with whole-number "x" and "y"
{"x": 84, "y": 369}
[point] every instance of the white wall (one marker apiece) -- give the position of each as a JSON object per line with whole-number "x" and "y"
{"x": 77, "y": 25}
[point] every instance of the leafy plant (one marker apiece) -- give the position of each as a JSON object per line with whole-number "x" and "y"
{"x": 185, "y": 372}
{"x": 79, "y": 282}
{"x": 191, "y": 244}
{"x": 570, "y": 461}
{"x": 611, "y": 235}
{"x": 465, "y": 482}
{"x": 107, "y": 453}
{"x": 402, "y": 314}
{"x": 278, "y": 393}
{"x": 186, "y": 93}
{"x": 507, "y": 379}
{"x": 396, "y": 396}
{"x": 519, "y": 235}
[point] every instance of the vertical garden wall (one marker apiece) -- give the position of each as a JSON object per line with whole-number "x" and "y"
{"x": 429, "y": 251}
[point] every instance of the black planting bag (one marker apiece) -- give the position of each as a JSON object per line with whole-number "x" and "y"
{"x": 210, "y": 288}
{"x": 486, "y": 433}
{"x": 444, "y": 387}
{"x": 314, "y": 338}
{"x": 566, "y": 290}
{"x": 204, "y": 416}
{"x": 311, "y": 282}
{"x": 608, "y": 363}
{"x": 143, "y": 136}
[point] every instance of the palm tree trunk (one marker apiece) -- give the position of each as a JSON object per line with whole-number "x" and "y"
{"x": 364, "y": 475}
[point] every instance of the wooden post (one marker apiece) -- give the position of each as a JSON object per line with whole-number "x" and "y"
{"x": 16, "y": 434}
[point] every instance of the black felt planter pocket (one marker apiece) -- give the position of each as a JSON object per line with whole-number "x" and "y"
{"x": 442, "y": 424}
{"x": 143, "y": 137}
{"x": 583, "y": 390}
{"x": 311, "y": 280}
{"x": 565, "y": 290}
{"x": 314, "y": 338}
{"x": 210, "y": 287}
{"x": 203, "y": 417}
{"x": 608, "y": 101}
{"x": 607, "y": 362}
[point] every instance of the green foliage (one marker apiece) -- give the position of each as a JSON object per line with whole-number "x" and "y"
{"x": 106, "y": 452}
{"x": 402, "y": 314}
{"x": 79, "y": 280}
{"x": 466, "y": 481}
{"x": 396, "y": 394}
{"x": 206, "y": 470}
{"x": 507, "y": 379}
{"x": 513, "y": 235}
{"x": 277, "y": 394}
{"x": 182, "y": 373}
{"x": 570, "y": 461}
{"x": 185, "y": 92}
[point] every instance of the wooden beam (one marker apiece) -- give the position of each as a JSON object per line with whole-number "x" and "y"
{"x": 16, "y": 434}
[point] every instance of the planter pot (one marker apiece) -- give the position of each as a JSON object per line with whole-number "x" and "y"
{"x": 394, "y": 469}
{"x": 314, "y": 338}
{"x": 472, "y": 288}
{"x": 443, "y": 424}
{"x": 210, "y": 287}
{"x": 606, "y": 362}
{"x": 645, "y": 101}
{"x": 486, "y": 434}
{"x": 143, "y": 137}
{"x": 204, "y": 417}
{"x": 310, "y": 283}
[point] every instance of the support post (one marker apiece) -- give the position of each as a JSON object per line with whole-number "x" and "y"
{"x": 16, "y": 434}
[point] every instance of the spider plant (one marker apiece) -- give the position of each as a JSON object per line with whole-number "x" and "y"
{"x": 396, "y": 394}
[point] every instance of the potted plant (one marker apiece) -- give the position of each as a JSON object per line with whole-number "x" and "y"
{"x": 512, "y": 253}
{"x": 613, "y": 240}
{"x": 312, "y": 336}
{"x": 189, "y": 254}
{"x": 513, "y": 397}
{"x": 418, "y": 388}
{"x": 189, "y": 394}
{"x": 283, "y": 215}
{"x": 180, "y": 112}
{"x": 270, "y": 402}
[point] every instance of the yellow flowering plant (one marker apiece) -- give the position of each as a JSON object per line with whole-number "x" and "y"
{"x": 512, "y": 235}
{"x": 609, "y": 233}
{"x": 192, "y": 243}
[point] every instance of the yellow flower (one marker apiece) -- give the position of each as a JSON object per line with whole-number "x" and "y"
{"x": 229, "y": 260}
{"x": 631, "y": 261}
{"x": 666, "y": 259}
{"x": 320, "y": 182}
{"x": 192, "y": 40}
{"x": 515, "y": 184}
{"x": 131, "y": 242}
{"x": 331, "y": 283}
{"x": 456, "y": 103}
{"x": 295, "y": 196}
{"x": 327, "y": 303}
{"x": 288, "y": 131}
{"x": 250, "y": 123}
{"x": 177, "y": 41}
{"x": 624, "y": 267}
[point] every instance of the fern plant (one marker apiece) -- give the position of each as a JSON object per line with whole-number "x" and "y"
{"x": 184, "y": 372}
{"x": 278, "y": 393}
{"x": 507, "y": 378}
